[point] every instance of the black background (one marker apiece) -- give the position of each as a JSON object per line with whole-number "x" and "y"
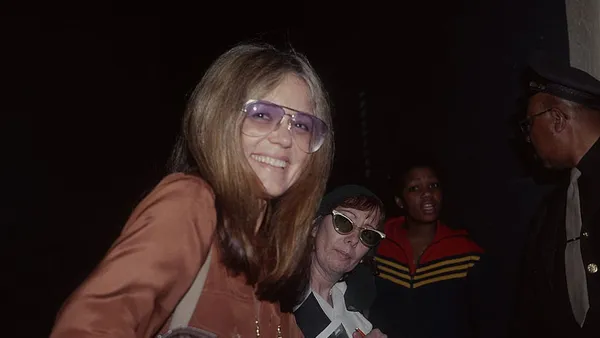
{"x": 93, "y": 103}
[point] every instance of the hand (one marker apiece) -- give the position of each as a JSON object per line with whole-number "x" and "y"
{"x": 373, "y": 334}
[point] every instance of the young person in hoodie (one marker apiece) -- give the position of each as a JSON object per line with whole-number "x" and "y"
{"x": 430, "y": 277}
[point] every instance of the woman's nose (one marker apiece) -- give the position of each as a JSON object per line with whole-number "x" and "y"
{"x": 282, "y": 134}
{"x": 352, "y": 238}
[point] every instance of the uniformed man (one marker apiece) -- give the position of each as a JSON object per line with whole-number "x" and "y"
{"x": 560, "y": 286}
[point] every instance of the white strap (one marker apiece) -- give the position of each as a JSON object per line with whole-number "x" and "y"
{"x": 184, "y": 310}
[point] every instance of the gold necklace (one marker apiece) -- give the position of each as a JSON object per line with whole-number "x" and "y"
{"x": 258, "y": 330}
{"x": 258, "y": 308}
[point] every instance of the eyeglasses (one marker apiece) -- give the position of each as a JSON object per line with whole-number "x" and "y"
{"x": 343, "y": 225}
{"x": 263, "y": 117}
{"x": 526, "y": 123}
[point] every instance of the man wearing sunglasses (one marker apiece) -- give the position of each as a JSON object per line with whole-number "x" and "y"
{"x": 347, "y": 227}
{"x": 559, "y": 293}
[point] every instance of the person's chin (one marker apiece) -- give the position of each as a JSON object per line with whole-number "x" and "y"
{"x": 273, "y": 183}
{"x": 425, "y": 219}
{"x": 546, "y": 163}
{"x": 273, "y": 190}
{"x": 552, "y": 166}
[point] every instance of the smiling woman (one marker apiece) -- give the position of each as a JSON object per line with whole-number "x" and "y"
{"x": 248, "y": 173}
{"x": 295, "y": 132}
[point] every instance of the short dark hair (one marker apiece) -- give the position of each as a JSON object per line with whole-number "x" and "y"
{"x": 362, "y": 202}
{"x": 403, "y": 166}
{"x": 366, "y": 203}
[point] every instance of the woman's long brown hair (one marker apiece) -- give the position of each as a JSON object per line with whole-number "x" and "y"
{"x": 274, "y": 258}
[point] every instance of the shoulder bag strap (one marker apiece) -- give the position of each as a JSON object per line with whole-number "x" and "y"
{"x": 184, "y": 310}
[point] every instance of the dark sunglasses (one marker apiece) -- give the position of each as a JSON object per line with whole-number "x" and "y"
{"x": 525, "y": 124}
{"x": 343, "y": 225}
{"x": 263, "y": 117}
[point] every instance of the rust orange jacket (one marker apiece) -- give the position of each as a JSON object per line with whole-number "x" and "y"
{"x": 135, "y": 288}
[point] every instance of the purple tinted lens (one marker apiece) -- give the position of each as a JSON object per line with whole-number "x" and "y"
{"x": 304, "y": 122}
{"x": 264, "y": 113}
{"x": 312, "y": 128}
{"x": 263, "y": 117}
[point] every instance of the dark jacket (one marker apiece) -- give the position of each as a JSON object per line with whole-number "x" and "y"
{"x": 440, "y": 296}
{"x": 543, "y": 306}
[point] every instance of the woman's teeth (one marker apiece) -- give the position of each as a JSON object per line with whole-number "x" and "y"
{"x": 270, "y": 161}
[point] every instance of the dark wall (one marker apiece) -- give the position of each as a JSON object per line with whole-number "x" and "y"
{"x": 461, "y": 107}
{"x": 94, "y": 107}
{"x": 493, "y": 193}
{"x": 94, "y": 104}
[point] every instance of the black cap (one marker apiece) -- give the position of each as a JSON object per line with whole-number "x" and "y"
{"x": 335, "y": 197}
{"x": 562, "y": 80}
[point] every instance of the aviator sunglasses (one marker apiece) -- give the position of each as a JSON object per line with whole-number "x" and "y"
{"x": 343, "y": 225}
{"x": 263, "y": 117}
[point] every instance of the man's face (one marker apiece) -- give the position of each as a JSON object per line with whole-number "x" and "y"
{"x": 544, "y": 130}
